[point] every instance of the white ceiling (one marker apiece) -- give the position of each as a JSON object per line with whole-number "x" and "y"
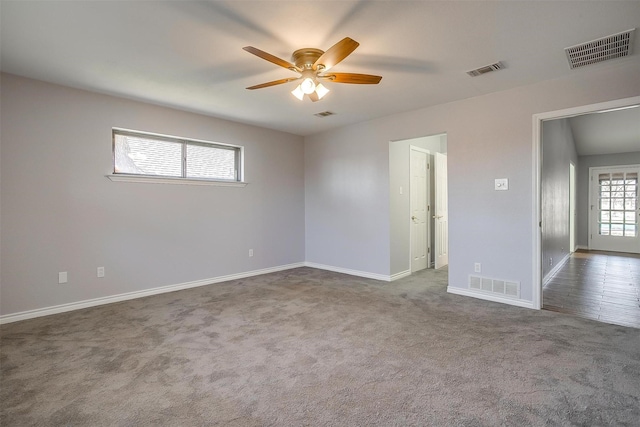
{"x": 189, "y": 55}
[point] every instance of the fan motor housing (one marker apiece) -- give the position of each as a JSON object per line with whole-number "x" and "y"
{"x": 305, "y": 58}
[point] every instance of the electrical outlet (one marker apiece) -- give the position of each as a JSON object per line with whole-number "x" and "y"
{"x": 250, "y": 252}
{"x": 550, "y": 260}
{"x": 477, "y": 267}
{"x": 100, "y": 271}
{"x": 63, "y": 277}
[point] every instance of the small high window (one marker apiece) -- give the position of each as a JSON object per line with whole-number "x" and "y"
{"x": 149, "y": 155}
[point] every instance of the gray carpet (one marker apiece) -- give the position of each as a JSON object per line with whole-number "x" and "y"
{"x": 310, "y": 347}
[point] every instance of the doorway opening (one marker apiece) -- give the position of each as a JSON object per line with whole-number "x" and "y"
{"x": 418, "y": 204}
{"x": 567, "y": 206}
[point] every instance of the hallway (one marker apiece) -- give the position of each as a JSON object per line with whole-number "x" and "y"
{"x": 603, "y": 286}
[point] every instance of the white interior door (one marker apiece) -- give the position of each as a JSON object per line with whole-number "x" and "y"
{"x": 614, "y": 210}
{"x": 441, "y": 212}
{"x": 418, "y": 170}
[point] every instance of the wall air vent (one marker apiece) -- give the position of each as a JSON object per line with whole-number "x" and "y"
{"x": 505, "y": 288}
{"x": 324, "y": 114}
{"x": 486, "y": 69}
{"x": 610, "y": 47}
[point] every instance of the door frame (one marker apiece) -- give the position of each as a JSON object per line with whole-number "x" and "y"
{"x": 537, "y": 120}
{"x": 438, "y": 178}
{"x": 428, "y": 199}
{"x": 592, "y": 217}
{"x": 572, "y": 207}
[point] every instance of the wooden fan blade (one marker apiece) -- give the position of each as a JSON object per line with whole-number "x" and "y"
{"x": 358, "y": 79}
{"x": 273, "y": 83}
{"x": 273, "y": 59}
{"x": 336, "y": 53}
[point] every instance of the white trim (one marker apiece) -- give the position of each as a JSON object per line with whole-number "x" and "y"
{"x": 348, "y": 271}
{"x": 573, "y": 218}
{"x": 490, "y": 297}
{"x": 537, "y": 120}
{"x": 591, "y": 230}
{"x": 30, "y": 314}
{"x": 580, "y": 247}
{"x": 536, "y": 282}
{"x": 555, "y": 269}
{"x": 400, "y": 275}
{"x": 122, "y": 177}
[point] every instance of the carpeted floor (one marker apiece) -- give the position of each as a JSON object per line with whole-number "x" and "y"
{"x": 310, "y": 347}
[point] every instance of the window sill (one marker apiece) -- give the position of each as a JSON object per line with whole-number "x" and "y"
{"x": 169, "y": 180}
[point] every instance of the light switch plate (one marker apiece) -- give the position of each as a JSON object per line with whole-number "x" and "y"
{"x": 502, "y": 184}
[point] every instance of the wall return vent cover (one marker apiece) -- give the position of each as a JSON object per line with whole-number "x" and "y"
{"x": 505, "y": 288}
{"x": 610, "y": 47}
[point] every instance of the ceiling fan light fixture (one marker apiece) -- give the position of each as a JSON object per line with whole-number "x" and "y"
{"x": 312, "y": 64}
{"x": 298, "y": 93}
{"x": 308, "y": 86}
{"x": 321, "y": 90}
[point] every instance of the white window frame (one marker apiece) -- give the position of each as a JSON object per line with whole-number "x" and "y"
{"x": 183, "y": 180}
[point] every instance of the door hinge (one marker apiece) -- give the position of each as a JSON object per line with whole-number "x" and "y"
{"x": 428, "y": 208}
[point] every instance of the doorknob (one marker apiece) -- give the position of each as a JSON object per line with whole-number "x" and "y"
{"x": 414, "y": 218}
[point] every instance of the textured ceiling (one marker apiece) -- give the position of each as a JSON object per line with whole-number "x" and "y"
{"x": 189, "y": 55}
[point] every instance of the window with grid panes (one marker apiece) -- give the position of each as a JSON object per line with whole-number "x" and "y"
{"x": 618, "y": 198}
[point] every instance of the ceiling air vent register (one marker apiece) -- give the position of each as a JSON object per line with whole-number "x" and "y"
{"x": 604, "y": 49}
{"x": 486, "y": 69}
{"x": 324, "y": 114}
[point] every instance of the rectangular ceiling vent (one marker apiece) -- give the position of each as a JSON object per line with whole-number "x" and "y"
{"x": 486, "y": 69}
{"x": 324, "y": 114}
{"x": 505, "y": 288}
{"x": 604, "y": 49}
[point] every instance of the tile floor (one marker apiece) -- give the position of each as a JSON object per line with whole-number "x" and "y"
{"x": 603, "y": 286}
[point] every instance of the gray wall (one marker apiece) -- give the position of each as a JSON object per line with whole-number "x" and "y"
{"x": 60, "y": 213}
{"x": 490, "y": 136}
{"x": 399, "y": 164}
{"x": 347, "y": 207}
{"x": 582, "y": 183}
{"x": 558, "y": 151}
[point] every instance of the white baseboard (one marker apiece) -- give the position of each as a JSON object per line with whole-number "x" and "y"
{"x": 349, "y": 272}
{"x": 488, "y": 297}
{"x": 400, "y": 275}
{"x": 555, "y": 269}
{"x": 583, "y": 248}
{"x": 30, "y": 314}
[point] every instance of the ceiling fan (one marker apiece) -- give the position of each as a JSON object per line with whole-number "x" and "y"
{"x": 313, "y": 66}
